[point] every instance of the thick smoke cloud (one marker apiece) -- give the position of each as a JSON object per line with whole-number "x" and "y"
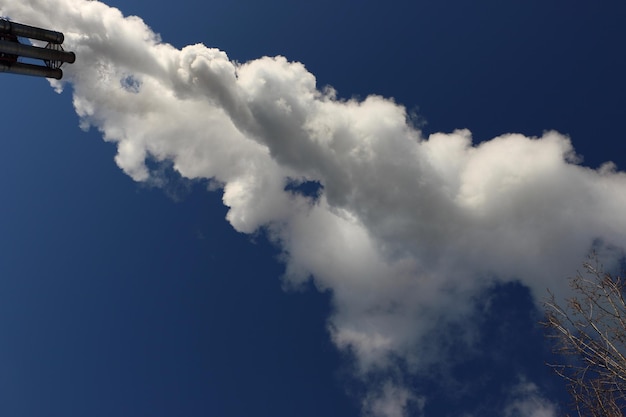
{"x": 405, "y": 230}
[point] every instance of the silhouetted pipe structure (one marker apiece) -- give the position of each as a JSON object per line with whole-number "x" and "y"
{"x": 31, "y": 32}
{"x": 30, "y": 69}
{"x": 11, "y": 49}
{"x": 27, "y": 51}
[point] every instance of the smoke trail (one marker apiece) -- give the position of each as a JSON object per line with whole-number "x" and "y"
{"x": 404, "y": 230}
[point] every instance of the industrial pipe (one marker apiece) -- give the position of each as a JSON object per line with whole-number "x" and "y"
{"x": 30, "y": 69}
{"x": 31, "y": 32}
{"x": 14, "y": 48}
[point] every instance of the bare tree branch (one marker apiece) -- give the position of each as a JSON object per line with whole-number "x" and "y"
{"x": 589, "y": 331}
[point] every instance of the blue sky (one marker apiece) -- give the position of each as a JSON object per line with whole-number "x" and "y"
{"x": 126, "y": 296}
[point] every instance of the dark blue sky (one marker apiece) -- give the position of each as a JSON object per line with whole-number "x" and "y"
{"x": 119, "y": 299}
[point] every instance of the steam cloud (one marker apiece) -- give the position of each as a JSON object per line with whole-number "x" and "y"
{"x": 404, "y": 231}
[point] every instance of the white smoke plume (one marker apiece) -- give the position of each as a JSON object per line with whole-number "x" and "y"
{"x": 527, "y": 402}
{"x": 405, "y": 229}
